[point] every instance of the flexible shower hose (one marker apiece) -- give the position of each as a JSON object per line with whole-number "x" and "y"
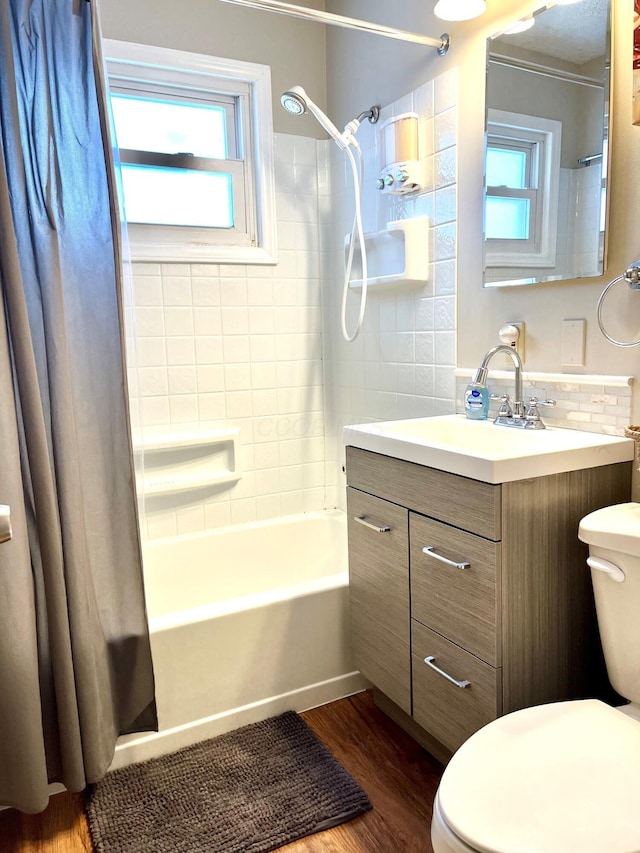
{"x": 356, "y": 230}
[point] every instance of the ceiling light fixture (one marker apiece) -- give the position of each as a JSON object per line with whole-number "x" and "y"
{"x": 459, "y": 10}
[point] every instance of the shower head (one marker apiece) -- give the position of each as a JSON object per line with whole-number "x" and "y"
{"x": 296, "y": 101}
{"x": 293, "y": 101}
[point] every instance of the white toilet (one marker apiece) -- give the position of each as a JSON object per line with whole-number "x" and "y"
{"x": 564, "y": 777}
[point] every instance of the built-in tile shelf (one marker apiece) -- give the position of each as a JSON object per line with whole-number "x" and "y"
{"x": 190, "y": 461}
{"x": 398, "y": 255}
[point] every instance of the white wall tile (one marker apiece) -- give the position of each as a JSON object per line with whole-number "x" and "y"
{"x": 210, "y": 378}
{"x": 182, "y": 380}
{"x": 152, "y": 381}
{"x": 445, "y": 166}
{"x": 176, "y": 290}
{"x": 208, "y": 321}
{"x": 178, "y": 321}
{"x": 211, "y": 406}
{"x": 259, "y": 292}
{"x": 233, "y": 292}
{"x": 155, "y": 411}
{"x": 183, "y": 408}
{"x": 236, "y": 349}
{"x": 235, "y": 321}
{"x": 237, "y": 377}
{"x": 180, "y": 350}
{"x": 446, "y": 90}
{"x": 149, "y": 322}
{"x": 151, "y": 352}
{"x": 147, "y": 290}
{"x": 423, "y": 99}
{"x": 209, "y": 349}
{"x": 206, "y": 291}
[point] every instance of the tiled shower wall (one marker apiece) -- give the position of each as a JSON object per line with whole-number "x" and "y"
{"x": 222, "y": 346}
{"x": 402, "y": 363}
{"x": 259, "y": 348}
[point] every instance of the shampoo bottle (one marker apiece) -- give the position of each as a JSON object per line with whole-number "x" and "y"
{"x": 476, "y": 397}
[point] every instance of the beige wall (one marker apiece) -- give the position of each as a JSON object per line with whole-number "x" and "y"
{"x": 294, "y": 49}
{"x": 362, "y": 69}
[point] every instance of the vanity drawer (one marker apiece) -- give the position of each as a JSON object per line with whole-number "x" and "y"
{"x": 468, "y": 504}
{"x": 379, "y": 594}
{"x": 448, "y": 712}
{"x": 461, "y": 603}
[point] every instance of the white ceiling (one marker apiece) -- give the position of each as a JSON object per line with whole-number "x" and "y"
{"x": 574, "y": 32}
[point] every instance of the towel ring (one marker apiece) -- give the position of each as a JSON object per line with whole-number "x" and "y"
{"x": 632, "y": 276}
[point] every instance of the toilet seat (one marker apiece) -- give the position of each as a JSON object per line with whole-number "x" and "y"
{"x": 559, "y": 778}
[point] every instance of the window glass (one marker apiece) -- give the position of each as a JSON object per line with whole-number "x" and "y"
{"x": 164, "y": 196}
{"x": 149, "y": 124}
{"x": 507, "y": 218}
{"x": 195, "y": 139}
{"x": 506, "y": 168}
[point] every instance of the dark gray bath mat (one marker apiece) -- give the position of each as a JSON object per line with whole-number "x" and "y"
{"x": 249, "y": 791}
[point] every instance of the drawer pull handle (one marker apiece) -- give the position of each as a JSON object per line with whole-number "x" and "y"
{"x": 430, "y": 662}
{"x": 430, "y": 552}
{"x": 361, "y": 520}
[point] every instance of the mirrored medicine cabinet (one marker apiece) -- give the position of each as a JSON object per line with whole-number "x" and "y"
{"x": 547, "y": 146}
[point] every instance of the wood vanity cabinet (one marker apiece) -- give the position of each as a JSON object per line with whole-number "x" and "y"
{"x": 500, "y": 602}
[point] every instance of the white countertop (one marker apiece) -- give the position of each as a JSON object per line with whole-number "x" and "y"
{"x": 484, "y": 451}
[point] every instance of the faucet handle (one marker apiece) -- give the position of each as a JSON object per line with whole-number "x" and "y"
{"x": 532, "y": 413}
{"x": 505, "y": 405}
{"x": 534, "y": 401}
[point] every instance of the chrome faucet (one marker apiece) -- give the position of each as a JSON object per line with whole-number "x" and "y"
{"x": 513, "y": 414}
{"x": 481, "y": 375}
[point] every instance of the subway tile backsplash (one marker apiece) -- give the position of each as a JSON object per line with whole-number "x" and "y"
{"x": 599, "y": 404}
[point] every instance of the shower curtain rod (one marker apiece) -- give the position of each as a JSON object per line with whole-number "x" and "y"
{"x": 441, "y": 44}
{"x": 544, "y": 70}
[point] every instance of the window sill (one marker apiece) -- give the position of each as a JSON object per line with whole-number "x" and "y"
{"x": 198, "y": 254}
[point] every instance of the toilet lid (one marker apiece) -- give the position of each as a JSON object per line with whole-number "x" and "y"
{"x": 557, "y": 778}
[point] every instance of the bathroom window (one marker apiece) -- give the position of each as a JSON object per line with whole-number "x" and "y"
{"x": 521, "y": 169}
{"x": 195, "y": 143}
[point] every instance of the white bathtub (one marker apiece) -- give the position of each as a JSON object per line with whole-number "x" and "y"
{"x": 246, "y": 622}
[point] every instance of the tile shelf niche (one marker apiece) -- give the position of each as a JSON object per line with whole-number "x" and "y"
{"x": 189, "y": 461}
{"x": 397, "y": 256}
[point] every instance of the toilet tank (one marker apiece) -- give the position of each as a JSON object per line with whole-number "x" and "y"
{"x": 613, "y": 535}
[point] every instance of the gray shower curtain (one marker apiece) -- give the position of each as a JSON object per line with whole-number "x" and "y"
{"x": 75, "y": 662}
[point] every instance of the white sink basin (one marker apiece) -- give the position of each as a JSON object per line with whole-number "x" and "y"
{"x": 483, "y": 451}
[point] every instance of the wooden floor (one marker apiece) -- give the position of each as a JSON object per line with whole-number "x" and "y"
{"x": 397, "y": 774}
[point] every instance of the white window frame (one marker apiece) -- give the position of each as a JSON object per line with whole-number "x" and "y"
{"x": 546, "y": 134}
{"x": 146, "y": 69}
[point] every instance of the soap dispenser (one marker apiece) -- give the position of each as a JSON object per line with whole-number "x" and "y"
{"x": 476, "y": 397}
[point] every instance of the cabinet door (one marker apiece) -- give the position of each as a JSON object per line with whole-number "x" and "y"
{"x": 458, "y": 698}
{"x": 455, "y": 586}
{"x": 379, "y": 594}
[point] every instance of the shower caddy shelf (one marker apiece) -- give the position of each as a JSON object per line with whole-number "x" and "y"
{"x": 183, "y": 462}
{"x": 399, "y": 255}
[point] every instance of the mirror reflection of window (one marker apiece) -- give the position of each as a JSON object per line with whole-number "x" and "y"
{"x": 509, "y": 181}
{"x": 522, "y": 197}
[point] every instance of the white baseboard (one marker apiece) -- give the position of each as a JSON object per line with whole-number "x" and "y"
{"x": 133, "y": 748}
